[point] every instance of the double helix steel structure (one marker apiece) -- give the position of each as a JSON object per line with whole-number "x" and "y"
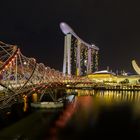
{"x": 21, "y": 75}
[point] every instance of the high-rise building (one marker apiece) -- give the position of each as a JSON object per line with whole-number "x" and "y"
{"x": 80, "y": 58}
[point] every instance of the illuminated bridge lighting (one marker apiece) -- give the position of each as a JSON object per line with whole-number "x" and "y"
{"x": 20, "y": 75}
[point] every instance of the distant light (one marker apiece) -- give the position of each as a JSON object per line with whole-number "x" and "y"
{"x": 92, "y": 45}
{"x": 25, "y": 63}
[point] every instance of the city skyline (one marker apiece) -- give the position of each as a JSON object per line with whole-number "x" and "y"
{"x": 113, "y": 26}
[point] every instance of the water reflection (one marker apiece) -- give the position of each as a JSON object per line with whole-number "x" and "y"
{"x": 92, "y": 115}
{"x": 103, "y": 112}
{"x": 62, "y": 120}
{"x": 112, "y": 95}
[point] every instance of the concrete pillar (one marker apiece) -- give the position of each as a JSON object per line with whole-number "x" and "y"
{"x": 34, "y": 97}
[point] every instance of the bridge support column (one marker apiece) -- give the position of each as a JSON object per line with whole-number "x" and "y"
{"x": 34, "y": 97}
{"x": 25, "y": 100}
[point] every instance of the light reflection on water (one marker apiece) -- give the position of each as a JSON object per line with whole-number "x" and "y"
{"x": 95, "y": 112}
{"x": 91, "y": 115}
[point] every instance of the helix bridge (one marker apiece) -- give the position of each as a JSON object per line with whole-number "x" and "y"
{"x": 22, "y": 76}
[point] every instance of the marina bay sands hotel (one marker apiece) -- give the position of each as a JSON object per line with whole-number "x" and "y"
{"x": 80, "y": 58}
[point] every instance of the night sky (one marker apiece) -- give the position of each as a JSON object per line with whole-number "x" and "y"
{"x": 112, "y": 25}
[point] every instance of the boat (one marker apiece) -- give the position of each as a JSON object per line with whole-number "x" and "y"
{"x": 47, "y": 105}
{"x": 68, "y": 98}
